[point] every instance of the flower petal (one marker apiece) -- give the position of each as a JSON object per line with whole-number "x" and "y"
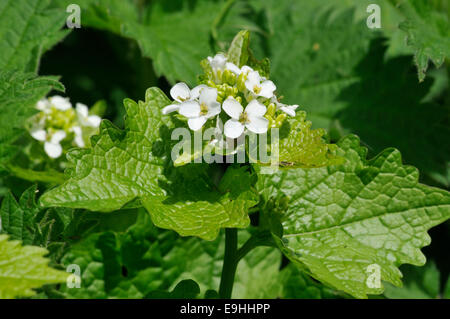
{"x": 58, "y": 136}
{"x": 53, "y": 150}
{"x": 42, "y": 105}
{"x": 254, "y": 78}
{"x": 233, "y": 68}
{"x": 213, "y": 109}
{"x": 233, "y": 129}
{"x": 190, "y": 109}
{"x": 195, "y": 92}
{"x": 94, "y": 120}
{"x": 82, "y": 110}
{"x": 208, "y": 95}
{"x": 246, "y": 69}
{"x": 60, "y": 103}
{"x": 196, "y": 123}
{"x": 232, "y": 107}
{"x": 267, "y": 88}
{"x": 218, "y": 62}
{"x": 78, "y": 136}
{"x": 180, "y": 92}
{"x": 289, "y": 109}
{"x": 39, "y": 134}
{"x": 255, "y": 108}
{"x": 257, "y": 124}
{"x": 170, "y": 108}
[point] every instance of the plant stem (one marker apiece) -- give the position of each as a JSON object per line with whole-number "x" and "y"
{"x": 230, "y": 262}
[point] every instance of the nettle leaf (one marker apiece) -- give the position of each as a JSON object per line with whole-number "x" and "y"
{"x": 175, "y": 35}
{"x": 338, "y": 221}
{"x": 428, "y": 32}
{"x": 382, "y": 117}
{"x": 25, "y": 220}
{"x": 313, "y": 52}
{"x": 134, "y": 164}
{"x": 23, "y": 268}
{"x": 17, "y": 218}
{"x": 142, "y": 262}
{"x": 19, "y": 92}
{"x": 28, "y": 28}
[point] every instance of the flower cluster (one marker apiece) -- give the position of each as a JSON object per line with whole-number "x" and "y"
{"x": 58, "y": 122}
{"x": 247, "y": 99}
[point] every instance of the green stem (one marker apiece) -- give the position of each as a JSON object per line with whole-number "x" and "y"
{"x": 233, "y": 255}
{"x": 230, "y": 262}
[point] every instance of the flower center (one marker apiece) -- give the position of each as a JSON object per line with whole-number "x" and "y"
{"x": 256, "y": 89}
{"x": 203, "y": 109}
{"x": 243, "y": 118}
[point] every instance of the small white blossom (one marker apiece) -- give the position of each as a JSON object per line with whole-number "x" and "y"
{"x": 251, "y": 118}
{"x": 288, "y": 109}
{"x": 218, "y": 62}
{"x": 43, "y": 105}
{"x": 233, "y": 68}
{"x": 198, "y": 112}
{"x": 84, "y": 118}
{"x": 60, "y": 103}
{"x": 180, "y": 92}
{"x": 78, "y": 132}
{"x": 53, "y": 147}
{"x": 38, "y": 134}
{"x": 259, "y": 86}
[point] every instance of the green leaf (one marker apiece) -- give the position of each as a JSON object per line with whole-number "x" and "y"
{"x": 174, "y": 37}
{"x": 26, "y": 221}
{"x": 27, "y": 29}
{"x": 259, "y": 276}
{"x": 141, "y": 262}
{"x": 339, "y": 220}
{"x": 303, "y": 146}
{"x": 382, "y": 117}
{"x": 18, "y": 218}
{"x": 24, "y": 268}
{"x": 313, "y": 53}
{"x": 428, "y": 32}
{"x": 19, "y": 93}
{"x": 124, "y": 166}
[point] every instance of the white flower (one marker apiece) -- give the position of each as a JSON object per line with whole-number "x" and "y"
{"x": 233, "y": 68}
{"x": 180, "y": 92}
{"x": 218, "y": 62}
{"x": 39, "y": 134}
{"x": 288, "y": 109}
{"x": 60, "y": 103}
{"x": 259, "y": 86}
{"x": 84, "y": 118}
{"x": 198, "y": 112}
{"x": 251, "y": 118}
{"x": 77, "y": 130}
{"x": 53, "y": 147}
{"x": 246, "y": 69}
{"x": 43, "y": 105}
